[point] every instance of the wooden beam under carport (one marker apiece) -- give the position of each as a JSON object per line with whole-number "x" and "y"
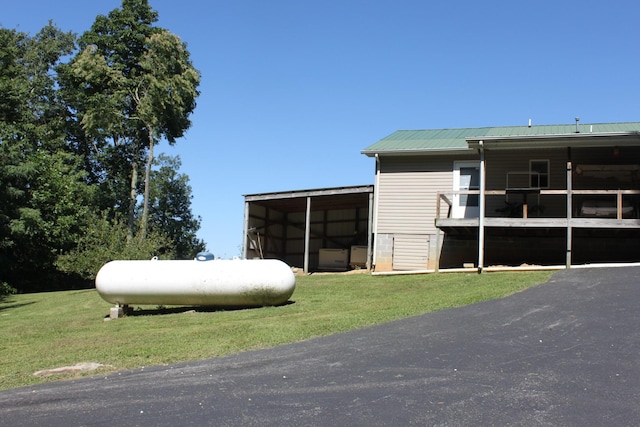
{"x": 307, "y": 233}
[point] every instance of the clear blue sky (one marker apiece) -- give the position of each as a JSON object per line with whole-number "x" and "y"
{"x": 292, "y": 90}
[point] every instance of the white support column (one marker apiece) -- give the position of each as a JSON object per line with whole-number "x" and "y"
{"x": 307, "y": 233}
{"x": 482, "y": 209}
{"x": 376, "y": 202}
{"x": 569, "y": 215}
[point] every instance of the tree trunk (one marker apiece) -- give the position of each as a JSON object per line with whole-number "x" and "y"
{"x": 147, "y": 183}
{"x": 133, "y": 195}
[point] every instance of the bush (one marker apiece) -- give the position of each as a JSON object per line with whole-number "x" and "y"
{"x": 106, "y": 241}
{"x": 5, "y": 289}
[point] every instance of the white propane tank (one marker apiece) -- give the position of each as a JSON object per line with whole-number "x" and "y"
{"x": 237, "y": 282}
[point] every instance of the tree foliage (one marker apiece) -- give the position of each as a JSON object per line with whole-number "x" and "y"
{"x": 106, "y": 240}
{"x": 133, "y": 84}
{"x": 43, "y": 198}
{"x": 76, "y": 148}
{"x": 170, "y": 208}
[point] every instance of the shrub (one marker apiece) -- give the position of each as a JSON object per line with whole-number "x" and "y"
{"x": 5, "y": 289}
{"x": 107, "y": 241}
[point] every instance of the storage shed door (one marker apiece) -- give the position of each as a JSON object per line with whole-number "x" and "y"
{"x": 410, "y": 252}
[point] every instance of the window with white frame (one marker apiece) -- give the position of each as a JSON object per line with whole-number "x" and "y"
{"x": 539, "y": 173}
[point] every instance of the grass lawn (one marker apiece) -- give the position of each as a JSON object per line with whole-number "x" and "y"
{"x": 50, "y": 330}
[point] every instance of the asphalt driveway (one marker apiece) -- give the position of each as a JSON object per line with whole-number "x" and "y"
{"x": 565, "y": 353}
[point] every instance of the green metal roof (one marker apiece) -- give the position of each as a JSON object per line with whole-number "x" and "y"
{"x": 445, "y": 140}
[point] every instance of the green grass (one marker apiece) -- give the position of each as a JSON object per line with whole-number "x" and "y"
{"x": 49, "y": 330}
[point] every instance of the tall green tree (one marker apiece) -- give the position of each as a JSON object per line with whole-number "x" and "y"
{"x": 170, "y": 208}
{"x": 43, "y": 194}
{"x": 131, "y": 85}
{"x": 165, "y": 98}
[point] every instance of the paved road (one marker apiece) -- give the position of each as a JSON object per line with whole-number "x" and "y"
{"x": 565, "y": 353}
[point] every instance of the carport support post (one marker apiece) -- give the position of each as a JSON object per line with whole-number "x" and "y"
{"x": 307, "y": 232}
{"x": 245, "y": 234}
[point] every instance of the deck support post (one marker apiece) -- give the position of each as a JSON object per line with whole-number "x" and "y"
{"x": 569, "y": 214}
{"x": 438, "y": 244}
{"x": 482, "y": 209}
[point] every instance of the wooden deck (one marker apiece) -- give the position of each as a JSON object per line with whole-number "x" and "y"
{"x": 539, "y": 222}
{"x": 604, "y": 208}
{"x": 617, "y": 219}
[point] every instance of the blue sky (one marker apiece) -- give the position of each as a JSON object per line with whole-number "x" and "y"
{"x": 292, "y": 90}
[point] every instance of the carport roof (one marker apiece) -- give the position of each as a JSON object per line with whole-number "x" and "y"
{"x": 448, "y": 140}
{"x": 322, "y": 198}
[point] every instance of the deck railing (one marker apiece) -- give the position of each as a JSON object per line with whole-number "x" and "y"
{"x": 590, "y": 203}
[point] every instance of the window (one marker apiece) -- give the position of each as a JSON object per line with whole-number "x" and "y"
{"x": 539, "y": 173}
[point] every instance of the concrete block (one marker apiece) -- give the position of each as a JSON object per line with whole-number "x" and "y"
{"x": 115, "y": 312}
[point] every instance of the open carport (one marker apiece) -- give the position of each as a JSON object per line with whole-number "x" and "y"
{"x": 321, "y": 229}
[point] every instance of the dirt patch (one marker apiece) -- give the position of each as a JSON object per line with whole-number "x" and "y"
{"x": 80, "y": 367}
{"x": 300, "y": 271}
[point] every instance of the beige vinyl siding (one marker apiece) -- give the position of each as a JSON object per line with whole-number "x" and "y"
{"x": 408, "y": 186}
{"x": 410, "y": 252}
{"x": 407, "y": 191}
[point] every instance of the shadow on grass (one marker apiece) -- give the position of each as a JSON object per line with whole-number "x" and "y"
{"x": 6, "y": 300}
{"x": 159, "y": 311}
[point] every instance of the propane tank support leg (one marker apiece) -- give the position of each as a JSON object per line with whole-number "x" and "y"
{"x": 115, "y": 312}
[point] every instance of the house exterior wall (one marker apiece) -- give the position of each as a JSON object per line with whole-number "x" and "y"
{"x": 405, "y": 233}
{"x": 406, "y": 236}
{"x": 523, "y": 222}
{"x": 500, "y": 163}
{"x": 406, "y": 193}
